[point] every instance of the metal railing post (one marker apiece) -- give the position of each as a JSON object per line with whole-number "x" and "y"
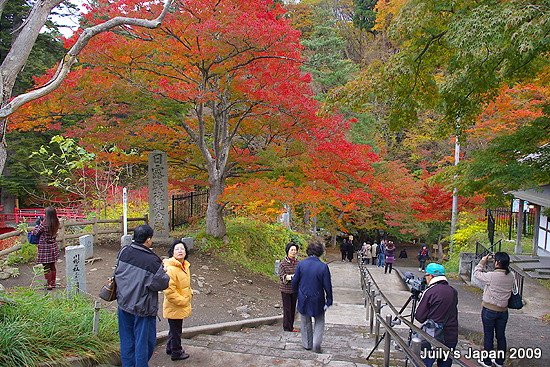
{"x": 415, "y": 345}
{"x": 387, "y": 342}
{"x": 377, "y": 328}
{"x": 371, "y": 318}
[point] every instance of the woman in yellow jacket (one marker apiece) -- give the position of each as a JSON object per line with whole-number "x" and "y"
{"x": 177, "y": 297}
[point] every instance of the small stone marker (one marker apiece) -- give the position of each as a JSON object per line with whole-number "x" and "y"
{"x": 75, "y": 269}
{"x": 189, "y": 242}
{"x": 88, "y": 242}
{"x": 277, "y": 262}
{"x": 126, "y": 240}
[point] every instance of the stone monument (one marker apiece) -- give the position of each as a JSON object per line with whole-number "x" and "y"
{"x": 158, "y": 196}
{"x": 75, "y": 269}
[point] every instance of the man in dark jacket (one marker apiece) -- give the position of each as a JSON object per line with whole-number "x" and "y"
{"x": 312, "y": 282}
{"x": 438, "y": 301}
{"x": 139, "y": 276}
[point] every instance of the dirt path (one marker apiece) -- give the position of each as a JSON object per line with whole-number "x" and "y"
{"x": 220, "y": 288}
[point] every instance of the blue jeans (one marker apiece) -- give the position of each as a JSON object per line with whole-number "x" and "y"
{"x": 494, "y": 323}
{"x": 381, "y": 260}
{"x": 440, "y": 362}
{"x": 138, "y": 338}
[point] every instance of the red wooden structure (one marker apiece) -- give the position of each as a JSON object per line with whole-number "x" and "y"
{"x": 30, "y": 215}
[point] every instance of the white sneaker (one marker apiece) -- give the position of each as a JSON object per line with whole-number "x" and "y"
{"x": 483, "y": 364}
{"x": 419, "y": 269}
{"x": 496, "y": 364}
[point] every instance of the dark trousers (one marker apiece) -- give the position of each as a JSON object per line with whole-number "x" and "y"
{"x": 494, "y": 324}
{"x": 289, "y": 310}
{"x": 173, "y": 344}
{"x": 440, "y": 362}
{"x": 388, "y": 266}
{"x": 138, "y": 338}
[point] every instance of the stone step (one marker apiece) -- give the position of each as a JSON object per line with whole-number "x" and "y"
{"x": 536, "y": 275}
{"x": 543, "y": 271}
{"x": 342, "y": 344}
{"x": 523, "y": 259}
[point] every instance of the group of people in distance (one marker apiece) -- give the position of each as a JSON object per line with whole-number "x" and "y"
{"x": 347, "y": 250}
{"x": 382, "y": 255}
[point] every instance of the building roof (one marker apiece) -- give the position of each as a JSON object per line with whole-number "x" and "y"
{"x": 539, "y": 195}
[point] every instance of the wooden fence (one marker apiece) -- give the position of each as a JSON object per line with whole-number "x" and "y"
{"x": 64, "y": 235}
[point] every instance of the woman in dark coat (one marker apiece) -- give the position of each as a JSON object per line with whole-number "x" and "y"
{"x": 344, "y": 249}
{"x": 350, "y": 250}
{"x": 312, "y": 282}
{"x": 48, "y": 251}
{"x": 390, "y": 253}
{"x": 287, "y": 267}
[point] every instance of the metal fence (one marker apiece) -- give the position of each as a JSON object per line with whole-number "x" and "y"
{"x": 187, "y": 206}
{"x": 507, "y": 221}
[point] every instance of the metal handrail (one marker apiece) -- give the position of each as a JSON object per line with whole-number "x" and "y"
{"x": 408, "y": 351}
{"x": 437, "y": 343}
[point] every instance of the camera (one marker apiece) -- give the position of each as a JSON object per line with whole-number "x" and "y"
{"x": 416, "y": 285}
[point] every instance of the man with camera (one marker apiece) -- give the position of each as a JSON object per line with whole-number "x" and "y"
{"x": 439, "y": 303}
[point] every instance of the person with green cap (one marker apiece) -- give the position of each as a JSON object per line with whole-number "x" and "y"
{"x": 439, "y": 303}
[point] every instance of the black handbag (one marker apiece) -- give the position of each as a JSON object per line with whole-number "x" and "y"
{"x": 515, "y": 301}
{"x": 108, "y": 291}
{"x": 33, "y": 239}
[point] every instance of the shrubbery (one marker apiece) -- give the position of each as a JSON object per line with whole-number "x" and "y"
{"x": 252, "y": 243}
{"x": 37, "y": 328}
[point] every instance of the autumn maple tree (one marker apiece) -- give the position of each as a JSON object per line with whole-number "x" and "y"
{"x": 219, "y": 88}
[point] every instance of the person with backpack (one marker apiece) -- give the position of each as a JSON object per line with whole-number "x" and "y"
{"x": 381, "y": 251}
{"x": 47, "y": 248}
{"x": 423, "y": 256}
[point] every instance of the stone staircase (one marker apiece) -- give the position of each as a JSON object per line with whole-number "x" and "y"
{"x": 343, "y": 346}
{"x": 536, "y": 267}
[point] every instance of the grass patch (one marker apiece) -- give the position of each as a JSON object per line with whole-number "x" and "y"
{"x": 252, "y": 243}
{"x": 545, "y": 283}
{"x": 37, "y": 328}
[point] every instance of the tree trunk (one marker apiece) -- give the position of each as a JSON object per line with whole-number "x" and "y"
{"x": 215, "y": 225}
{"x": 439, "y": 247}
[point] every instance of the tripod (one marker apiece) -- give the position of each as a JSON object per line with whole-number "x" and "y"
{"x": 414, "y": 297}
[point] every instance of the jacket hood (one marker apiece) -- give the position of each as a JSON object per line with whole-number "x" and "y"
{"x": 173, "y": 262}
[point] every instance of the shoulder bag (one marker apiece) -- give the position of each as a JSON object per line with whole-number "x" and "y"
{"x": 108, "y": 291}
{"x": 434, "y": 329}
{"x": 515, "y": 301}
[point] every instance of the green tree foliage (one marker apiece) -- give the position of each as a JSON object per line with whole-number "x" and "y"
{"x": 365, "y": 16}
{"x": 326, "y": 60}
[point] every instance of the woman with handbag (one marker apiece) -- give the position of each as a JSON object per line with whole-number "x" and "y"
{"x": 287, "y": 267}
{"x": 494, "y": 315}
{"x": 47, "y": 249}
{"x": 177, "y": 297}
